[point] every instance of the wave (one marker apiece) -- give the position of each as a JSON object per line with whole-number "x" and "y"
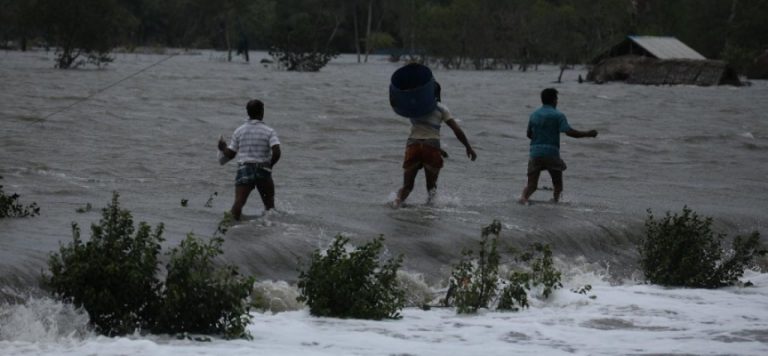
{"x": 42, "y": 319}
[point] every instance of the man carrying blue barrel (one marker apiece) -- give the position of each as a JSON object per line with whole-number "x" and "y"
{"x": 415, "y": 94}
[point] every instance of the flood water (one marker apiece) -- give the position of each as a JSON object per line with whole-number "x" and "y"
{"x": 147, "y": 125}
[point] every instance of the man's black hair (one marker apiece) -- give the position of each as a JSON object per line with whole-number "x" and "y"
{"x": 255, "y": 109}
{"x": 549, "y": 96}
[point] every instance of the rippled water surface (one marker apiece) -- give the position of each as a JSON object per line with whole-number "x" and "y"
{"x": 147, "y": 125}
{"x": 148, "y": 131}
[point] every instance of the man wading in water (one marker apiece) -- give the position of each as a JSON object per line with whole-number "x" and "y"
{"x": 257, "y": 149}
{"x": 544, "y": 128}
{"x": 423, "y": 149}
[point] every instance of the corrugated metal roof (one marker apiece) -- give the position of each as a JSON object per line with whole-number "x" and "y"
{"x": 666, "y": 47}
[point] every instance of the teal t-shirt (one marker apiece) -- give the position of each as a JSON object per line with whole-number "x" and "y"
{"x": 545, "y": 125}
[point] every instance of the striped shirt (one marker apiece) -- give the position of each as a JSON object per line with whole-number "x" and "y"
{"x": 253, "y": 141}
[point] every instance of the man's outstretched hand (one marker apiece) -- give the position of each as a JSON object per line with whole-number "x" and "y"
{"x": 471, "y": 153}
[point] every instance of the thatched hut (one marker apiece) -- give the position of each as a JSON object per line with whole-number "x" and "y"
{"x": 659, "y": 60}
{"x": 759, "y": 68}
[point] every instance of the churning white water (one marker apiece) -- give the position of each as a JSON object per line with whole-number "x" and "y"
{"x": 152, "y": 138}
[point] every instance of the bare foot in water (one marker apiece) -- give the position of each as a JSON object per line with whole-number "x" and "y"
{"x": 395, "y": 203}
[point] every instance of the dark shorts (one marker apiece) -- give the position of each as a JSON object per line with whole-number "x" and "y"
{"x": 419, "y": 155}
{"x": 249, "y": 173}
{"x": 538, "y": 164}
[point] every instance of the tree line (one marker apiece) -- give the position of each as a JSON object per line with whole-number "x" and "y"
{"x": 479, "y": 34}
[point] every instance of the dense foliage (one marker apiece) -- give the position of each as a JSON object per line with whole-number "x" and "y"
{"x": 83, "y": 31}
{"x": 200, "y": 297}
{"x": 455, "y": 33}
{"x": 475, "y": 282}
{"x": 353, "y": 284}
{"x": 114, "y": 277}
{"x": 11, "y": 207}
{"x": 682, "y": 250}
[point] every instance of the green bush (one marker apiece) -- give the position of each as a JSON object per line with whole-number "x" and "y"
{"x": 682, "y": 250}
{"x": 475, "y": 282}
{"x": 352, "y": 284}
{"x": 112, "y": 276}
{"x": 202, "y": 298}
{"x": 11, "y": 208}
{"x": 537, "y": 270}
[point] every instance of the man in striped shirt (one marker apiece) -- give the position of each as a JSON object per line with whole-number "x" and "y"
{"x": 257, "y": 149}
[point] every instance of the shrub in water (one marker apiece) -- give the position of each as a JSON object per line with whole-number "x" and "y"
{"x": 10, "y": 206}
{"x": 537, "y": 270}
{"x": 300, "y": 61}
{"x": 202, "y": 298}
{"x": 112, "y": 276}
{"x": 682, "y": 250}
{"x": 352, "y": 284}
{"x": 474, "y": 282}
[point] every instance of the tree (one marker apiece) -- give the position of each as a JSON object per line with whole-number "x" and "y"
{"x": 17, "y": 22}
{"x": 84, "y": 28}
{"x": 557, "y": 28}
{"x": 302, "y": 42}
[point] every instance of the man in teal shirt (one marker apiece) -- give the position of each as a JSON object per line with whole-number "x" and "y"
{"x": 544, "y": 128}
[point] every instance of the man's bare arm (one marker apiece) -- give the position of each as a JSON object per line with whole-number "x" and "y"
{"x": 579, "y": 134}
{"x": 275, "y": 155}
{"x": 225, "y": 150}
{"x": 462, "y": 138}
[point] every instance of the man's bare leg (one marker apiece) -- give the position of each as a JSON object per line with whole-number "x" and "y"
{"x": 533, "y": 184}
{"x": 431, "y": 174}
{"x": 266, "y": 189}
{"x": 241, "y": 197}
{"x": 409, "y": 177}
{"x": 557, "y": 184}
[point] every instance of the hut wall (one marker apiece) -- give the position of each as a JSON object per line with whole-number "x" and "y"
{"x": 644, "y": 70}
{"x": 616, "y": 68}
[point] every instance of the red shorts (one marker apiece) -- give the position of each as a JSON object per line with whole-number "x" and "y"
{"x": 419, "y": 155}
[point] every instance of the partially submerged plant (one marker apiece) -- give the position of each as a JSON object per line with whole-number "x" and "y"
{"x": 113, "y": 276}
{"x": 11, "y": 208}
{"x": 84, "y": 209}
{"x": 475, "y": 282}
{"x": 203, "y": 298}
{"x": 682, "y": 250}
{"x": 353, "y": 284}
{"x": 536, "y": 271}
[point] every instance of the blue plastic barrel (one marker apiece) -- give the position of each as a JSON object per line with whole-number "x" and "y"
{"x": 412, "y": 91}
